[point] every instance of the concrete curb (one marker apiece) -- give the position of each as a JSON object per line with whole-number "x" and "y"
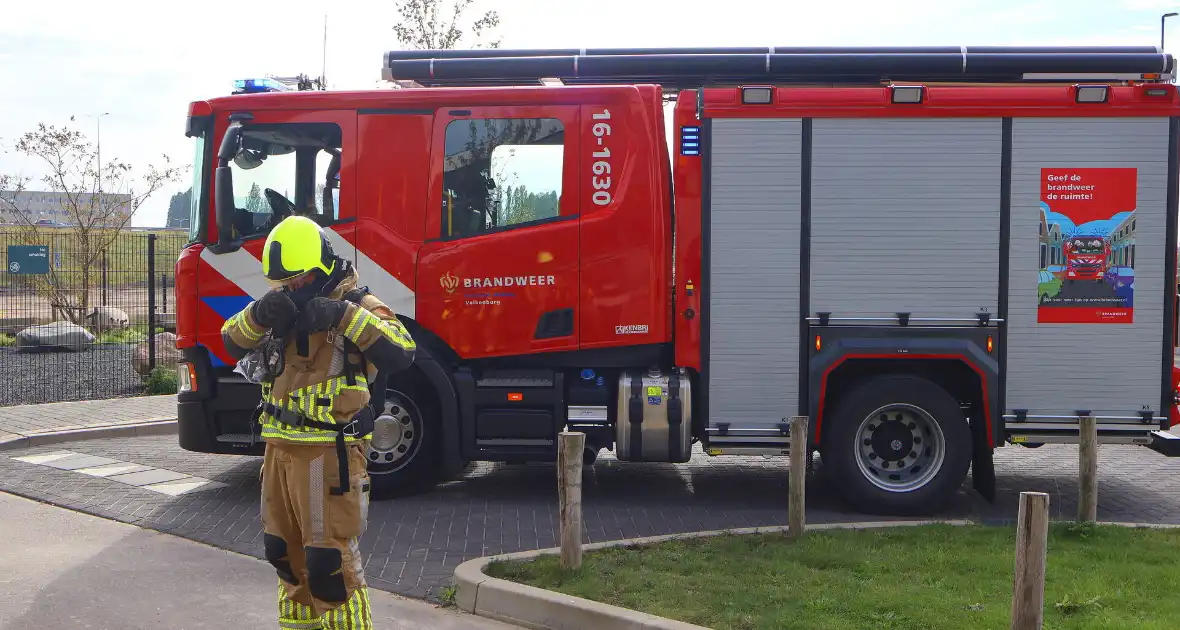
{"x": 154, "y": 426}
{"x": 537, "y": 608}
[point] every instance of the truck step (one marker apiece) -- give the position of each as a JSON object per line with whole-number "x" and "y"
{"x": 515, "y": 378}
{"x": 766, "y": 445}
{"x": 511, "y": 414}
{"x": 748, "y": 450}
{"x": 1067, "y": 433}
{"x": 236, "y": 438}
{"x": 1165, "y": 443}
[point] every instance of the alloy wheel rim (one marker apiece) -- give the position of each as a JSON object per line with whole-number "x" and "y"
{"x": 395, "y": 436}
{"x": 899, "y": 447}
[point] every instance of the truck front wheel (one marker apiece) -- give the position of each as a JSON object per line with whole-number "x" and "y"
{"x": 898, "y": 444}
{"x": 403, "y": 448}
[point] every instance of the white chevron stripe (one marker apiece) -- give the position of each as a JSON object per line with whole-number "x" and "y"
{"x": 244, "y": 270}
{"x": 387, "y": 288}
{"x": 241, "y": 268}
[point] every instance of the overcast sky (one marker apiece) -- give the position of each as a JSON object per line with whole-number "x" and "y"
{"x": 145, "y": 61}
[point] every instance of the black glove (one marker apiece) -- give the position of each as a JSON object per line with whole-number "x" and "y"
{"x": 321, "y": 314}
{"x": 275, "y": 310}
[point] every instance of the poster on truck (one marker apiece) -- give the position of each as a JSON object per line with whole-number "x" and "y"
{"x": 1087, "y": 246}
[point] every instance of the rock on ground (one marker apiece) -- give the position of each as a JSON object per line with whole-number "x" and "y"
{"x": 108, "y": 318}
{"x": 167, "y": 355}
{"x": 58, "y": 335}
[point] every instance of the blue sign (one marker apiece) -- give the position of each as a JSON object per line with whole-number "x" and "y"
{"x": 28, "y": 259}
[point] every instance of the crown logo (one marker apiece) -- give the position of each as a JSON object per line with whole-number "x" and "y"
{"x": 449, "y": 282}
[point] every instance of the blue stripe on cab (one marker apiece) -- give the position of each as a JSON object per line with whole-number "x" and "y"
{"x": 226, "y": 305}
{"x": 214, "y": 359}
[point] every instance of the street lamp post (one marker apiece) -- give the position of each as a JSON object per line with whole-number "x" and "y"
{"x": 98, "y": 146}
{"x": 1163, "y": 18}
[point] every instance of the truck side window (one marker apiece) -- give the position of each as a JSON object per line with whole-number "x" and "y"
{"x": 501, "y": 172}
{"x": 285, "y": 169}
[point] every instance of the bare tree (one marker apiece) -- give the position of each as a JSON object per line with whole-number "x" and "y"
{"x": 434, "y": 25}
{"x": 97, "y": 201}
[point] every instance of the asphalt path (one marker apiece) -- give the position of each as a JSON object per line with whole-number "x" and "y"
{"x": 61, "y": 569}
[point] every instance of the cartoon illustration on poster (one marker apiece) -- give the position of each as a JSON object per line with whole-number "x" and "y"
{"x": 1087, "y": 246}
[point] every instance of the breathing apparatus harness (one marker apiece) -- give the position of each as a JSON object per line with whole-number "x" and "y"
{"x": 271, "y": 363}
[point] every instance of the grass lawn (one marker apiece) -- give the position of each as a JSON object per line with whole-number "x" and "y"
{"x": 907, "y": 578}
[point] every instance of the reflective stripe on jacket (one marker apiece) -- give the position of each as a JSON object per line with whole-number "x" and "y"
{"x": 316, "y": 385}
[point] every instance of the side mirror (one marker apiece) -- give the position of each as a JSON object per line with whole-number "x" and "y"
{"x": 230, "y": 144}
{"x": 223, "y": 182}
{"x": 223, "y": 179}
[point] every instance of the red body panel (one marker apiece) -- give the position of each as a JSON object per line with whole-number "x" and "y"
{"x": 687, "y": 177}
{"x": 186, "y": 296}
{"x": 610, "y": 263}
{"x": 470, "y": 293}
{"x": 626, "y": 244}
{"x": 942, "y": 101}
{"x": 391, "y": 199}
{"x": 1174, "y": 410}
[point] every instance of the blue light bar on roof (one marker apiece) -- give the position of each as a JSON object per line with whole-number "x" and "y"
{"x": 254, "y": 86}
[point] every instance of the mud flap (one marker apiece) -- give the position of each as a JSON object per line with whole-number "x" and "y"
{"x": 983, "y": 469}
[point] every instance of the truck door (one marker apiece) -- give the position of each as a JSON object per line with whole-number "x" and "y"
{"x": 498, "y": 274}
{"x": 292, "y": 162}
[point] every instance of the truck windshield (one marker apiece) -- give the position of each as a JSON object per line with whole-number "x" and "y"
{"x": 196, "y": 213}
{"x": 285, "y": 169}
{"x": 1086, "y": 246}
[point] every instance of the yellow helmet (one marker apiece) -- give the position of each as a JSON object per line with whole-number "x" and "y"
{"x": 294, "y": 247}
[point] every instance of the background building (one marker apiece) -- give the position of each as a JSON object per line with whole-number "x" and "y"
{"x": 55, "y": 207}
{"x": 1122, "y": 244}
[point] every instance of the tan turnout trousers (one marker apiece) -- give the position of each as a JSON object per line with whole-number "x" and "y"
{"x": 311, "y": 535}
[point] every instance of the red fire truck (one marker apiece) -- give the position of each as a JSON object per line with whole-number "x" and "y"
{"x": 845, "y": 234}
{"x": 1086, "y": 258}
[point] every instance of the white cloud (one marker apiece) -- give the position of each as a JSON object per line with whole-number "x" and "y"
{"x": 1149, "y": 5}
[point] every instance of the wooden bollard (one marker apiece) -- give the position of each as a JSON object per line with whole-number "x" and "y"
{"x": 1032, "y": 534}
{"x": 569, "y": 496}
{"x": 1088, "y": 470}
{"x": 797, "y": 482}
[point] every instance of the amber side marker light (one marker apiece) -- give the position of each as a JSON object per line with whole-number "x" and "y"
{"x": 818, "y": 344}
{"x": 516, "y": 396}
{"x": 186, "y": 377}
{"x": 990, "y": 344}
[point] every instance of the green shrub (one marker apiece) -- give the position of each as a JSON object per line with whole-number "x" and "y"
{"x": 7, "y": 340}
{"x": 124, "y": 335}
{"x": 162, "y": 380}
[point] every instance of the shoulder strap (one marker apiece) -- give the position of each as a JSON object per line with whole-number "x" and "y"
{"x": 356, "y": 295}
{"x": 351, "y": 351}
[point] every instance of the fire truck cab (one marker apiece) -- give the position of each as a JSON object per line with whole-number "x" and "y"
{"x": 848, "y": 235}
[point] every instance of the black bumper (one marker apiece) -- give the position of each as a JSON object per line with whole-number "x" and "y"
{"x": 216, "y": 418}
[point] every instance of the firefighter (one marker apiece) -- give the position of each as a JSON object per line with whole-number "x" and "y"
{"x": 316, "y": 343}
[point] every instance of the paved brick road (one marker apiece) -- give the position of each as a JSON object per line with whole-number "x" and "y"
{"x": 413, "y": 544}
{"x": 24, "y": 420}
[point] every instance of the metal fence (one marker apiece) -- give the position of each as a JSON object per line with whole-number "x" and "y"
{"x": 84, "y": 315}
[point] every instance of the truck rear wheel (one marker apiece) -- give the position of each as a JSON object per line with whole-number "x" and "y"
{"x": 899, "y": 445}
{"x": 403, "y": 450}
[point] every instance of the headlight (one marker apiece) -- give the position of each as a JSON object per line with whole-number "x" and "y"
{"x": 186, "y": 377}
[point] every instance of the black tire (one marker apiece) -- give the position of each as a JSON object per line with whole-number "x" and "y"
{"x": 417, "y": 469}
{"x": 843, "y": 443}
